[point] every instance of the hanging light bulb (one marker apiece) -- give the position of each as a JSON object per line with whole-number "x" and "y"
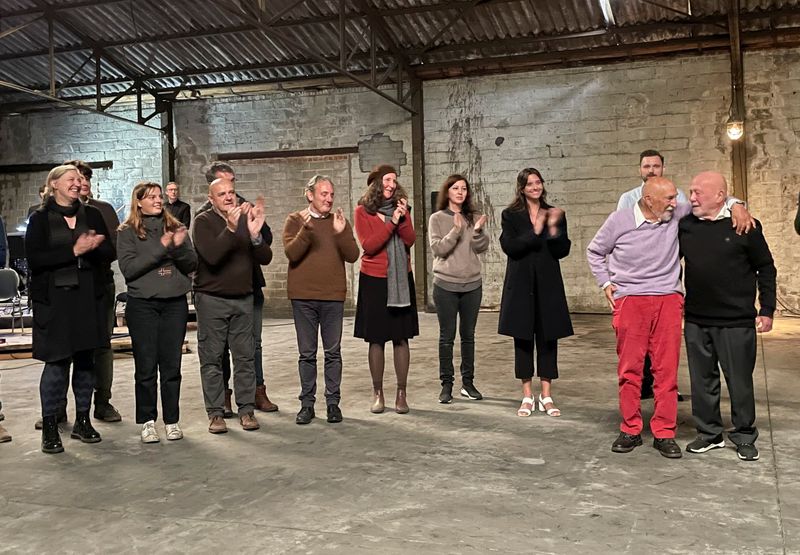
{"x": 735, "y": 129}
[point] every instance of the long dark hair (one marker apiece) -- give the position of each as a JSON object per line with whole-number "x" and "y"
{"x": 443, "y": 201}
{"x": 373, "y": 197}
{"x": 520, "y": 202}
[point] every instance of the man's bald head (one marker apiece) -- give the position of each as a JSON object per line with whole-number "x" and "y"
{"x": 222, "y": 194}
{"x": 707, "y": 194}
{"x": 659, "y": 198}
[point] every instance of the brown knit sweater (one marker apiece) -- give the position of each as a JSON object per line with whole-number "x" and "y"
{"x": 316, "y": 258}
{"x": 224, "y": 259}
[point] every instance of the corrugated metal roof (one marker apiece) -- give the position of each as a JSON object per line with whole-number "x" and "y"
{"x": 194, "y": 43}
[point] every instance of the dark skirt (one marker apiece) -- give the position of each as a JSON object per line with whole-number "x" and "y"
{"x": 378, "y": 323}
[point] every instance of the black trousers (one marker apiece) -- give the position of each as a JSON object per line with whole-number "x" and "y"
{"x": 450, "y": 308}
{"x": 55, "y": 381}
{"x": 735, "y": 349}
{"x": 157, "y": 328}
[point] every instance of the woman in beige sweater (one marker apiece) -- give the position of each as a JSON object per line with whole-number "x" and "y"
{"x": 456, "y": 237}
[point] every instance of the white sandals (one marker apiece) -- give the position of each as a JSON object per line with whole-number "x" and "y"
{"x": 526, "y": 408}
{"x": 553, "y": 410}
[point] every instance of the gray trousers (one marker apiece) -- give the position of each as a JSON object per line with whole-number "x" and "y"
{"x": 735, "y": 350}
{"x": 310, "y": 319}
{"x": 104, "y": 356}
{"x": 220, "y": 319}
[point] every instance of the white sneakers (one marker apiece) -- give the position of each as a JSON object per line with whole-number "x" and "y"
{"x": 174, "y": 432}
{"x": 150, "y": 435}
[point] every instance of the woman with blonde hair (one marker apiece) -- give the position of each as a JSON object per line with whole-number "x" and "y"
{"x": 387, "y": 308}
{"x": 67, "y": 246}
{"x": 156, "y": 258}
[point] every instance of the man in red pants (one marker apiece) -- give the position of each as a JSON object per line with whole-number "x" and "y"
{"x": 634, "y": 258}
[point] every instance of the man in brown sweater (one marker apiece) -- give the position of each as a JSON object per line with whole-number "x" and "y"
{"x": 228, "y": 241}
{"x": 317, "y": 244}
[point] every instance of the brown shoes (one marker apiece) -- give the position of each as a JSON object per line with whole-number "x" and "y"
{"x": 249, "y": 422}
{"x": 377, "y": 404}
{"x": 4, "y": 435}
{"x": 400, "y": 402}
{"x": 262, "y": 401}
{"x": 216, "y": 425}
{"x": 228, "y": 411}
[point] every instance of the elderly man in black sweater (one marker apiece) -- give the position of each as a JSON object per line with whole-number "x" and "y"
{"x": 723, "y": 270}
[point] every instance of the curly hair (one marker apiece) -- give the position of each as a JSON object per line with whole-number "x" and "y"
{"x": 373, "y": 197}
{"x": 520, "y": 202}
{"x": 443, "y": 201}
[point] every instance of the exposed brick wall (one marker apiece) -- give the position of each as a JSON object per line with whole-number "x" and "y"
{"x": 281, "y": 181}
{"x": 282, "y": 121}
{"x": 584, "y": 129}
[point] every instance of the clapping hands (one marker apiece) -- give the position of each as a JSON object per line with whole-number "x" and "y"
{"x": 87, "y": 242}
{"x": 400, "y": 211}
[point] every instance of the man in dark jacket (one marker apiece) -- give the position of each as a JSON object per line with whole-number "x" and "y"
{"x": 722, "y": 272}
{"x": 104, "y": 358}
{"x": 228, "y": 242}
{"x": 221, "y": 170}
{"x": 176, "y": 206}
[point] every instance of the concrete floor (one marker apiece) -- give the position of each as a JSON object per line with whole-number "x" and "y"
{"x": 470, "y": 477}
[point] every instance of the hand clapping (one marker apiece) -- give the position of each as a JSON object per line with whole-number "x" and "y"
{"x": 480, "y": 223}
{"x": 400, "y": 211}
{"x": 255, "y": 217}
{"x": 339, "y": 221}
{"x": 87, "y": 242}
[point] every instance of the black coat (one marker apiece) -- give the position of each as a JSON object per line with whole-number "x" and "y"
{"x": 66, "y": 319}
{"x": 533, "y": 279}
{"x": 181, "y": 211}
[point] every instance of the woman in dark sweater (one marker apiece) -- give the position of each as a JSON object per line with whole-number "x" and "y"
{"x": 156, "y": 258}
{"x": 534, "y": 309}
{"x": 67, "y": 247}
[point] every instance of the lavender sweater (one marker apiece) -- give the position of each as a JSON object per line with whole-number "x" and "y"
{"x": 638, "y": 260}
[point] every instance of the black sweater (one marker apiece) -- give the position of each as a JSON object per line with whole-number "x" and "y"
{"x": 722, "y": 270}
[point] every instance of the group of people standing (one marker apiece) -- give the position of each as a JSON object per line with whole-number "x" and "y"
{"x": 635, "y": 258}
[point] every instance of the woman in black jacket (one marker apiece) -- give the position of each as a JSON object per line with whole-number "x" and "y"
{"x": 534, "y": 309}
{"x": 156, "y": 258}
{"x": 67, "y": 247}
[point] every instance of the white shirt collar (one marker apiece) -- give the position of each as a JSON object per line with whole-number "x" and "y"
{"x": 638, "y": 215}
{"x": 315, "y": 215}
{"x": 724, "y": 212}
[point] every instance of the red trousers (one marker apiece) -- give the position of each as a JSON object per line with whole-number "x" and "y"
{"x": 649, "y": 324}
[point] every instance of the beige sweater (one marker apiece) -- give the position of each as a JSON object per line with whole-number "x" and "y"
{"x": 455, "y": 252}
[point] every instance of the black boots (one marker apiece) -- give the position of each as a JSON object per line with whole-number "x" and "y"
{"x": 51, "y": 439}
{"x": 83, "y": 429}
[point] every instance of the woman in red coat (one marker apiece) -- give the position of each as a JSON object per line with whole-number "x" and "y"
{"x": 387, "y": 308}
{"x": 534, "y": 306}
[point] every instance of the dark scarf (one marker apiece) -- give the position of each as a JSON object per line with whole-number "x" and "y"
{"x": 60, "y": 235}
{"x": 398, "y": 294}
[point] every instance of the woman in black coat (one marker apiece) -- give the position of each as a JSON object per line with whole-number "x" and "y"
{"x": 534, "y": 306}
{"x": 67, "y": 247}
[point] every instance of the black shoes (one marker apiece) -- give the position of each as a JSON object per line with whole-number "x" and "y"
{"x": 446, "y": 396}
{"x": 51, "y": 439}
{"x": 305, "y": 416}
{"x": 747, "y": 452}
{"x": 468, "y": 390}
{"x": 626, "y": 443}
{"x": 701, "y": 445}
{"x": 107, "y": 413}
{"x": 334, "y": 414}
{"x": 83, "y": 429}
{"x": 667, "y": 447}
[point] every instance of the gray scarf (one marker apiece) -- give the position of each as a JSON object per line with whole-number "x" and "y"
{"x": 398, "y": 294}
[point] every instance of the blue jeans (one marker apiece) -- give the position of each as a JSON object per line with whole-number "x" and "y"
{"x": 310, "y": 319}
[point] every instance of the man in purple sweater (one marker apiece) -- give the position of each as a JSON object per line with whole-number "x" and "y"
{"x": 635, "y": 259}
